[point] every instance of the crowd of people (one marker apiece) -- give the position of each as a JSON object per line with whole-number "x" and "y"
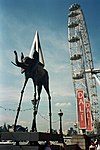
{"x": 94, "y": 145}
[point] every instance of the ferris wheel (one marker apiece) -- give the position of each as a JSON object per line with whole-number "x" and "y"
{"x": 83, "y": 72}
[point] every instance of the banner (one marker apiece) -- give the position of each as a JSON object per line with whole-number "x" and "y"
{"x": 81, "y": 109}
{"x": 88, "y": 116}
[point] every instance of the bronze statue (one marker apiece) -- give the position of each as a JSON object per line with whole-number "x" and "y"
{"x": 33, "y": 69}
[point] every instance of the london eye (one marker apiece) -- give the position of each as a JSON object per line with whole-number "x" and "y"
{"x": 82, "y": 60}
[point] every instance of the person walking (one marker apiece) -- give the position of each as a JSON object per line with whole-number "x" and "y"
{"x": 92, "y": 146}
{"x": 47, "y": 146}
{"x": 98, "y": 145}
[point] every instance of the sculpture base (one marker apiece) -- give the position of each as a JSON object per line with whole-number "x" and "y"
{"x": 81, "y": 140}
{"x": 30, "y": 136}
{"x": 26, "y": 140}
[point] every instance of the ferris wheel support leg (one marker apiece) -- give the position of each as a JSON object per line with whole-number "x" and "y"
{"x": 98, "y": 81}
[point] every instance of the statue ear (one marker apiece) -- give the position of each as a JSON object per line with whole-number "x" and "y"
{"x": 22, "y": 56}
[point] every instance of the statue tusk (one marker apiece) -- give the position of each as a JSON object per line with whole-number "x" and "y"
{"x": 14, "y": 64}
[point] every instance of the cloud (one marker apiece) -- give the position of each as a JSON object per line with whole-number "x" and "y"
{"x": 62, "y": 104}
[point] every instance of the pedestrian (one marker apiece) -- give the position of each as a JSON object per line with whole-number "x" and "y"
{"x": 47, "y": 146}
{"x": 92, "y": 146}
{"x": 98, "y": 145}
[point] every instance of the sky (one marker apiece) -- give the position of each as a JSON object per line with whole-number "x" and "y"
{"x": 19, "y": 21}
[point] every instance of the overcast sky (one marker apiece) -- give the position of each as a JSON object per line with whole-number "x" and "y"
{"x": 19, "y": 20}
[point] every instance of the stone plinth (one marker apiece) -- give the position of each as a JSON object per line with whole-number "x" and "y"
{"x": 81, "y": 140}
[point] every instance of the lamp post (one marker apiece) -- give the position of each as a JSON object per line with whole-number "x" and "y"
{"x": 60, "y": 115}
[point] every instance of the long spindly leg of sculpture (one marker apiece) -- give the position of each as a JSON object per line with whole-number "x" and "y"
{"x": 46, "y": 87}
{"x": 39, "y": 88}
{"x": 21, "y": 97}
{"x": 34, "y": 89}
{"x": 26, "y": 80}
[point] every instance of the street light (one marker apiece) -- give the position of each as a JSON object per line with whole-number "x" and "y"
{"x": 60, "y": 115}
